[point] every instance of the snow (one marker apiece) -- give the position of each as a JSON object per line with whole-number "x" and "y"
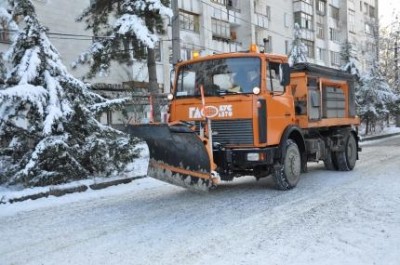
{"x": 138, "y": 168}
{"x": 29, "y": 66}
{"x": 131, "y": 24}
{"x": 27, "y": 93}
{"x": 329, "y": 218}
{"x": 299, "y": 51}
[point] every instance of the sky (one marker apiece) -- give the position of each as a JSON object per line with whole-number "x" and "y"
{"x": 387, "y": 11}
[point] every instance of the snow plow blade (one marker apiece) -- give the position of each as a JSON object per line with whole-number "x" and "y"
{"x": 177, "y": 155}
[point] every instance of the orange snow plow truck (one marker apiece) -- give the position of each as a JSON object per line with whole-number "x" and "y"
{"x": 249, "y": 113}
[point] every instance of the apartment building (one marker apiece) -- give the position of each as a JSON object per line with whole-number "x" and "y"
{"x": 328, "y": 24}
{"x": 214, "y": 26}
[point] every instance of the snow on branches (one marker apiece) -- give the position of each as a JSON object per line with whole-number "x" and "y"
{"x": 299, "y": 51}
{"x": 135, "y": 27}
{"x": 48, "y": 127}
{"x": 374, "y": 96}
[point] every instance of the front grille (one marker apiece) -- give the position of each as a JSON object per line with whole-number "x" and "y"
{"x": 232, "y": 131}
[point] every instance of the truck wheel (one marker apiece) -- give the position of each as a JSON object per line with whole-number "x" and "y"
{"x": 287, "y": 176}
{"x": 346, "y": 159}
{"x": 331, "y": 162}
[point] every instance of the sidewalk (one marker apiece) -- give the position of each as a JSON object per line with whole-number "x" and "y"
{"x": 387, "y": 132}
{"x": 8, "y": 196}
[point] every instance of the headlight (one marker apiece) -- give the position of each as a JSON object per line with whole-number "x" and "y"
{"x": 253, "y": 157}
{"x": 170, "y": 97}
{"x": 256, "y": 90}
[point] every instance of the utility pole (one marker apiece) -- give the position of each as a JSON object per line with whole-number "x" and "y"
{"x": 176, "y": 41}
{"x": 396, "y": 59}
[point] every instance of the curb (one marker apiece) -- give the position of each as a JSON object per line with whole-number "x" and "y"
{"x": 63, "y": 191}
{"x": 377, "y": 137}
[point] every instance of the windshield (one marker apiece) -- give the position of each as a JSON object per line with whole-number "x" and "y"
{"x": 219, "y": 77}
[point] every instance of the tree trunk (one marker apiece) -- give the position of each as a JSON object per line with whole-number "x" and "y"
{"x": 387, "y": 120}
{"x": 366, "y": 126}
{"x": 153, "y": 85}
{"x": 398, "y": 120}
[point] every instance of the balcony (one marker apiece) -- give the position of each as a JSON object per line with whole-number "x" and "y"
{"x": 261, "y": 20}
{"x": 303, "y": 7}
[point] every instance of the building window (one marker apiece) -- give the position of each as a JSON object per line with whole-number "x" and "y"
{"x": 286, "y": 47}
{"x": 220, "y": 29}
{"x": 372, "y": 11}
{"x": 351, "y": 5}
{"x": 352, "y": 24}
{"x": 268, "y": 13}
{"x": 320, "y": 27}
{"x": 5, "y": 33}
{"x": 189, "y": 21}
{"x": 335, "y": 58}
{"x": 368, "y": 29}
{"x": 304, "y": 20}
{"x": 335, "y": 12}
{"x": 286, "y": 20}
{"x": 221, "y": 2}
{"x": 186, "y": 54}
{"x": 305, "y": 1}
{"x": 333, "y": 34}
{"x": 269, "y": 44}
{"x": 310, "y": 48}
{"x": 321, "y": 7}
{"x": 320, "y": 31}
{"x": 321, "y": 54}
{"x": 157, "y": 52}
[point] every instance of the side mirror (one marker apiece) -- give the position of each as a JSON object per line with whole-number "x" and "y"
{"x": 284, "y": 74}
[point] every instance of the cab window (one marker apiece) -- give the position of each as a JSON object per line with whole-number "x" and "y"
{"x": 274, "y": 77}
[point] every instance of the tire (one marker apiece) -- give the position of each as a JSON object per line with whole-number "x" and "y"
{"x": 346, "y": 159}
{"x": 287, "y": 176}
{"x": 331, "y": 161}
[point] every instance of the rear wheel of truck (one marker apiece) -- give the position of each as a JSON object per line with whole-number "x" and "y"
{"x": 346, "y": 159}
{"x": 331, "y": 162}
{"x": 287, "y": 175}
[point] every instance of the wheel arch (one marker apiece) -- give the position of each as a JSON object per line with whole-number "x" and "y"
{"x": 294, "y": 133}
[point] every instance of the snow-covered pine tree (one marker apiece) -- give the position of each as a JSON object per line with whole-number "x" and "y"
{"x": 299, "y": 51}
{"x": 48, "y": 129}
{"x": 373, "y": 97}
{"x": 350, "y": 60}
{"x": 133, "y": 25}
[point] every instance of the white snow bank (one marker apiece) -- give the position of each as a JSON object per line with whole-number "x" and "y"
{"x": 137, "y": 168}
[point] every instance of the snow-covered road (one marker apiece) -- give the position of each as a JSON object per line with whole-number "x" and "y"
{"x": 330, "y": 218}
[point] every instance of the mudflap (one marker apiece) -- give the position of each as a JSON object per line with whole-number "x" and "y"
{"x": 177, "y": 155}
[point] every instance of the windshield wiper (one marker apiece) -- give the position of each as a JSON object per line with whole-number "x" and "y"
{"x": 223, "y": 92}
{"x": 226, "y": 91}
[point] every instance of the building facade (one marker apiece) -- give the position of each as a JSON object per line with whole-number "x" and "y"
{"x": 214, "y": 26}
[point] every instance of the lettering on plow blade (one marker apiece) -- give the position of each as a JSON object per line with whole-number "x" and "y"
{"x": 177, "y": 155}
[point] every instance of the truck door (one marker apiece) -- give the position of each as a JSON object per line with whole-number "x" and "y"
{"x": 280, "y": 108}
